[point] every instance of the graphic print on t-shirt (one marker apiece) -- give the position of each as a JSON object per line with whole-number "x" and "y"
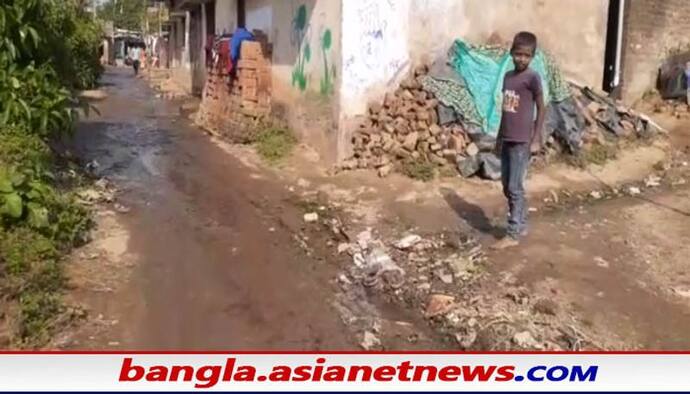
{"x": 511, "y": 101}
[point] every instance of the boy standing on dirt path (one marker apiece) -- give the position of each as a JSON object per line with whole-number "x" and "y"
{"x": 520, "y": 134}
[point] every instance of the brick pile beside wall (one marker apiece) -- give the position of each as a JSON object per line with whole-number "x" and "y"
{"x": 234, "y": 105}
{"x": 653, "y": 29}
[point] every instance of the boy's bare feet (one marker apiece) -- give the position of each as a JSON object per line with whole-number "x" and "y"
{"x": 505, "y": 243}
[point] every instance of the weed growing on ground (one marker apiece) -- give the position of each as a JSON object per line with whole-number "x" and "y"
{"x": 39, "y": 223}
{"x": 596, "y": 154}
{"x": 419, "y": 170}
{"x": 274, "y": 144}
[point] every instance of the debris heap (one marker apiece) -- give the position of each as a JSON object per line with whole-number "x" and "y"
{"x": 413, "y": 124}
{"x": 406, "y": 127}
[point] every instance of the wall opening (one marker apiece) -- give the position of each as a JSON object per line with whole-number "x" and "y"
{"x": 210, "y": 18}
{"x": 241, "y": 13}
{"x": 614, "y": 47}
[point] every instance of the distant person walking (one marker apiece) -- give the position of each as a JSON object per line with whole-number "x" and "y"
{"x": 135, "y": 56}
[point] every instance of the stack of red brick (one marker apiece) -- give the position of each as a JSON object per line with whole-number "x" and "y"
{"x": 234, "y": 105}
{"x": 254, "y": 80}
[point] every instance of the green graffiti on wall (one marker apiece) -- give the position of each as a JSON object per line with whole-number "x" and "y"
{"x": 299, "y": 29}
{"x": 328, "y": 73}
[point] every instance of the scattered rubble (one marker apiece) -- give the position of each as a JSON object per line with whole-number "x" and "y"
{"x": 442, "y": 277}
{"x": 370, "y": 341}
{"x": 412, "y": 124}
{"x": 439, "y": 304}
{"x": 408, "y": 242}
{"x": 634, "y": 191}
{"x": 525, "y": 340}
{"x": 652, "y": 181}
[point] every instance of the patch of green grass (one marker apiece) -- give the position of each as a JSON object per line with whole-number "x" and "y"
{"x": 420, "y": 170}
{"x": 596, "y": 154}
{"x": 448, "y": 172}
{"x": 600, "y": 154}
{"x": 31, "y": 277}
{"x": 274, "y": 144}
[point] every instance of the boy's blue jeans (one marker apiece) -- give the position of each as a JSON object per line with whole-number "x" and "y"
{"x": 515, "y": 158}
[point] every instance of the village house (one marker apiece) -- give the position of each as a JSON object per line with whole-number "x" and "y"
{"x": 331, "y": 58}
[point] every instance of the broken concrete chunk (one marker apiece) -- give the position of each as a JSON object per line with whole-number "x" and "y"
{"x": 468, "y": 166}
{"x": 343, "y": 247}
{"x": 379, "y": 258}
{"x": 525, "y": 340}
{"x": 370, "y": 341}
{"x": 634, "y": 190}
{"x": 364, "y": 238}
{"x": 311, "y": 217}
{"x": 410, "y": 142}
{"x": 652, "y": 181}
{"x": 385, "y": 170}
{"x": 408, "y": 241}
{"x": 444, "y": 276}
{"x": 439, "y": 304}
{"x": 472, "y": 149}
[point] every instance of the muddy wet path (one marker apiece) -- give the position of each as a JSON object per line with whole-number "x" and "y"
{"x": 213, "y": 255}
{"x": 216, "y": 265}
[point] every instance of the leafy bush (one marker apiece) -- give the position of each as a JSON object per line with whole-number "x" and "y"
{"x": 48, "y": 48}
{"x": 27, "y": 196}
{"x": 32, "y": 96}
{"x": 38, "y": 223}
{"x": 52, "y": 32}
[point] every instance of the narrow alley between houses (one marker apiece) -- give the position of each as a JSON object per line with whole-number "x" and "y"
{"x": 306, "y": 175}
{"x": 208, "y": 253}
{"x": 199, "y": 246}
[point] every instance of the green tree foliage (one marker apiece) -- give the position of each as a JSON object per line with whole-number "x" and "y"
{"x": 125, "y": 14}
{"x": 48, "y": 50}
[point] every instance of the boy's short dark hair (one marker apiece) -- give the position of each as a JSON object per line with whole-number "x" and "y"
{"x": 525, "y": 39}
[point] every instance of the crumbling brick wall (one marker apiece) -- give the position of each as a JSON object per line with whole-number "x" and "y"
{"x": 234, "y": 106}
{"x": 653, "y": 30}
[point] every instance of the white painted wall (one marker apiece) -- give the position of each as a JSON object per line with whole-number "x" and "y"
{"x": 226, "y": 16}
{"x": 375, "y": 50}
{"x": 260, "y": 16}
{"x": 382, "y": 38}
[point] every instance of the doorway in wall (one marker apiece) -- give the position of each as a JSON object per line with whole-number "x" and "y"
{"x": 210, "y": 18}
{"x": 612, "y": 80}
{"x": 241, "y": 13}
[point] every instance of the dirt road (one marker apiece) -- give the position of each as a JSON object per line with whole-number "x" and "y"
{"x": 209, "y": 240}
{"x": 214, "y": 253}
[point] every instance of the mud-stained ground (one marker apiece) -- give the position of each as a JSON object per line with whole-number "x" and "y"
{"x": 204, "y": 258}
{"x": 206, "y": 248}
